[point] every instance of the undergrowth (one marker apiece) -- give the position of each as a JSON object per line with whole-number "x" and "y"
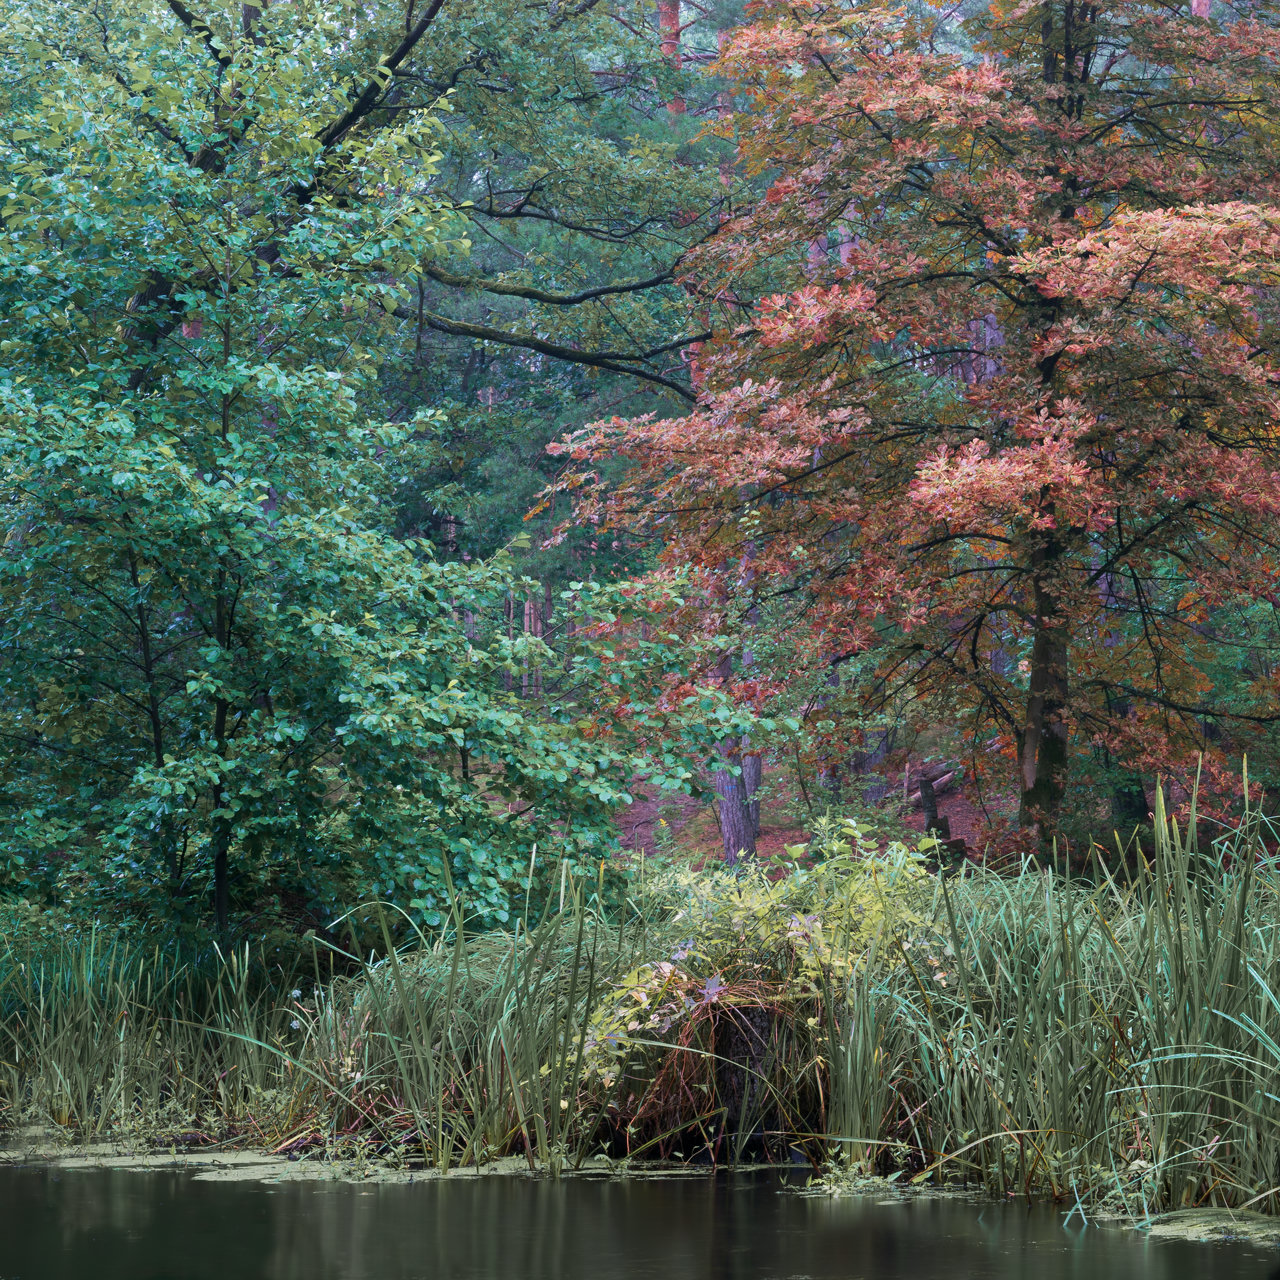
{"x": 1088, "y": 1039}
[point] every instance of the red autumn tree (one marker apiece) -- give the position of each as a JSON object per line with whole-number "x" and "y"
{"x": 994, "y": 393}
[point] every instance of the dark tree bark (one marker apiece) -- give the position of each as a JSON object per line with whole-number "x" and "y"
{"x": 929, "y": 802}
{"x": 222, "y": 879}
{"x": 752, "y": 770}
{"x": 737, "y": 830}
{"x": 1043, "y": 746}
{"x": 739, "y": 812}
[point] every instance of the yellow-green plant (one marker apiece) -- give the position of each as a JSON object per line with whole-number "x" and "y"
{"x": 738, "y": 1010}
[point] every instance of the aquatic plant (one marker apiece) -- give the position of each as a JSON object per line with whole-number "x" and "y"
{"x": 1097, "y": 1037}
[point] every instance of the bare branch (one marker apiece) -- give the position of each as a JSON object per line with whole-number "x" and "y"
{"x": 542, "y": 295}
{"x": 615, "y": 361}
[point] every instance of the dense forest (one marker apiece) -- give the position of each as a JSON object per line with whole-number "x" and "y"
{"x": 294, "y": 301}
{"x": 424, "y": 426}
{"x": 435, "y": 432}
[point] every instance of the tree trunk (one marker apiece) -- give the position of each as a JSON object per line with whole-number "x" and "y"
{"x": 165, "y": 836}
{"x": 221, "y": 824}
{"x": 831, "y": 770}
{"x": 221, "y": 879}
{"x": 509, "y": 613}
{"x": 736, "y": 828}
{"x": 528, "y": 629}
{"x": 752, "y": 769}
{"x": 1129, "y": 809}
{"x": 865, "y": 764}
{"x": 669, "y": 25}
{"x": 752, "y": 763}
{"x": 929, "y": 803}
{"x": 1043, "y": 746}
{"x": 738, "y": 825}
{"x": 742, "y": 1045}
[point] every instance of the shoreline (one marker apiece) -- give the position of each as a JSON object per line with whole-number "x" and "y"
{"x": 209, "y": 1164}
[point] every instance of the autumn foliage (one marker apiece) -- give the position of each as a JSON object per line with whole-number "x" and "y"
{"x": 993, "y": 393}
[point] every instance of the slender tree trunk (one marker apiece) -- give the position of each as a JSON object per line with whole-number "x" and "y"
{"x": 509, "y": 614}
{"x": 1044, "y": 738}
{"x": 867, "y": 763}
{"x": 1129, "y": 809}
{"x": 752, "y": 771}
{"x": 724, "y": 108}
{"x": 221, "y": 877}
{"x": 222, "y": 624}
{"x": 168, "y": 846}
{"x": 736, "y": 828}
{"x": 929, "y": 803}
{"x": 539, "y": 630}
{"x": 669, "y": 25}
{"x": 1043, "y": 748}
{"x": 221, "y": 824}
{"x": 221, "y": 837}
{"x": 524, "y": 665}
{"x": 830, "y": 771}
{"x": 569, "y": 631}
{"x": 752, "y": 762}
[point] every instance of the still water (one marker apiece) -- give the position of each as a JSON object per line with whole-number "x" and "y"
{"x": 80, "y": 1225}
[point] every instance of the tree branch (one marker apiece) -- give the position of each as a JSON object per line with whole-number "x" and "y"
{"x": 615, "y": 361}
{"x": 541, "y": 295}
{"x": 199, "y": 27}
{"x": 370, "y": 95}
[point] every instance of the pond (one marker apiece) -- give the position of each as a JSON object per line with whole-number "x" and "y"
{"x": 95, "y": 1225}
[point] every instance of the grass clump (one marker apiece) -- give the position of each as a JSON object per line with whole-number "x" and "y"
{"x": 99, "y": 1037}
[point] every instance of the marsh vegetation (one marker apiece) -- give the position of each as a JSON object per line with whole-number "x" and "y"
{"x": 1096, "y": 1039}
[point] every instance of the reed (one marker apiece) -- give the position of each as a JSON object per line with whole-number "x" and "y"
{"x": 97, "y": 1036}
{"x": 1081, "y": 1039}
{"x": 459, "y": 1049}
{"x": 469, "y": 1048}
{"x": 1094, "y": 1038}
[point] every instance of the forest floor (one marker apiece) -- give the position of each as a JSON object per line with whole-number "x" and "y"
{"x": 673, "y": 822}
{"x": 684, "y": 825}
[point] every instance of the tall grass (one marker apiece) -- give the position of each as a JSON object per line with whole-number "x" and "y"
{"x": 459, "y": 1050}
{"x": 470, "y": 1048}
{"x": 1082, "y": 1039}
{"x": 96, "y": 1036}
{"x": 1076, "y": 1038}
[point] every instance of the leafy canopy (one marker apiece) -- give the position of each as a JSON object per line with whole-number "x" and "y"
{"x": 223, "y": 678}
{"x": 992, "y": 397}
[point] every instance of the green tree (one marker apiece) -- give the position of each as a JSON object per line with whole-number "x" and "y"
{"x": 581, "y": 192}
{"x": 221, "y": 671}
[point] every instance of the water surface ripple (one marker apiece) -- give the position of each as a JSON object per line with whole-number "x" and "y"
{"x": 93, "y": 1225}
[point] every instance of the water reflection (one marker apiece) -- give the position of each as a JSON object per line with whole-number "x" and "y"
{"x": 112, "y": 1226}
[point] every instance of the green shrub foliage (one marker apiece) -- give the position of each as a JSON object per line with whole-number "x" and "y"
{"x": 222, "y": 679}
